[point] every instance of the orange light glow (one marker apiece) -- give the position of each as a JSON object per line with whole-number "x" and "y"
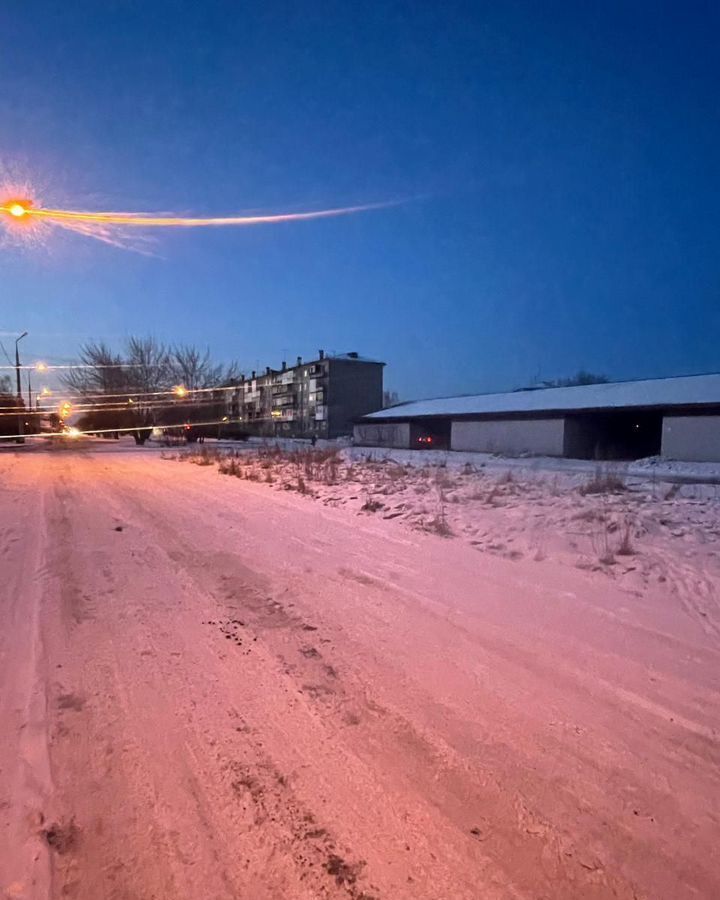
{"x": 180, "y": 391}
{"x": 17, "y": 209}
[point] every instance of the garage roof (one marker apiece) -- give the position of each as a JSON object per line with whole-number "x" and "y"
{"x": 686, "y": 390}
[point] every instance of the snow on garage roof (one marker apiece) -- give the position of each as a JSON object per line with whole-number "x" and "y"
{"x": 687, "y": 390}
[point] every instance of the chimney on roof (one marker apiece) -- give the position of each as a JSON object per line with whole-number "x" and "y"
{"x": 253, "y": 373}
{"x": 267, "y": 370}
{"x": 242, "y": 378}
{"x": 321, "y": 354}
{"x": 353, "y": 355}
{"x": 284, "y": 365}
{"x": 299, "y": 362}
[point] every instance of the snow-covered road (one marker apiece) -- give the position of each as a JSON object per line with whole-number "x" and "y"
{"x": 211, "y": 689}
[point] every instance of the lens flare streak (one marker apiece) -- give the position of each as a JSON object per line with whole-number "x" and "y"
{"x": 143, "y": 220}
{"x": 109, "y": 226}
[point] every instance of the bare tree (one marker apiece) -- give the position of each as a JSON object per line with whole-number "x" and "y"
{"x": 100, "y": 371}
{"x": 138, "y": 385}
{"x": 580, "y": 378}
{"x": 148, "y": 363}
{"x": 195, "y": 370}
{"x": 390, "y": 398}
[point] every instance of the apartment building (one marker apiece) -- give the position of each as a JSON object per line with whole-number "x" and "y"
{"x": 320, "y": 398}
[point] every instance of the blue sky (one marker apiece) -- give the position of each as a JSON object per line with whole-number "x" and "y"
{"x": 562, "y": 161}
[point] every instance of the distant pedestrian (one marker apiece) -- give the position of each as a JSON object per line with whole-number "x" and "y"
{"x": 313, "y": 440}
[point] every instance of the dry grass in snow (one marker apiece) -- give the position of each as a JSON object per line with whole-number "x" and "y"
{"x": 649, "y": 534}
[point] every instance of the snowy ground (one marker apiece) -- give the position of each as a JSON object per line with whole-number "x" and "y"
{"x": 320, "y": 676}
{"x": 635, "y": 528}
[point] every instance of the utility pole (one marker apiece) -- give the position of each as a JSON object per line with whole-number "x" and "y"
{"x": 29, "y": 391}
{"x": 21, "y": 416}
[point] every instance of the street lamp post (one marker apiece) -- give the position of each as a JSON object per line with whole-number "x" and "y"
{"x": 21, "y": 417}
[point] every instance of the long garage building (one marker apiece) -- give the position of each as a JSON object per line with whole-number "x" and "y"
{"x": 678, "y": 418}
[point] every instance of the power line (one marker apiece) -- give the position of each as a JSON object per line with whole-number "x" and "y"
{"x": 122, "y": 430}
{"x": 6, "y": 354}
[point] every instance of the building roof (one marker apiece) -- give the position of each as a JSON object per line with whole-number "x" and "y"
{"x": 686, "y": 390}
{"x": 354, "y": 357}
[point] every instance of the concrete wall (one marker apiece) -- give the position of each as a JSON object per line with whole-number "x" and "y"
{"x": 543, "y": 437}
{"x": 692, "y": 438}
{"x": 354, "y": 389}
{"x": 382, "y": 435}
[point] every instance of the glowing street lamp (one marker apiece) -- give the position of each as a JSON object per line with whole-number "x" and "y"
{"x": 180, "y": 390}
{"x": 44, "y": 392}
{"x": 41, "y": 367}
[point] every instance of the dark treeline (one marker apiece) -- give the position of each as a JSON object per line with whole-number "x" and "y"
{"x": 13, "y": 411}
